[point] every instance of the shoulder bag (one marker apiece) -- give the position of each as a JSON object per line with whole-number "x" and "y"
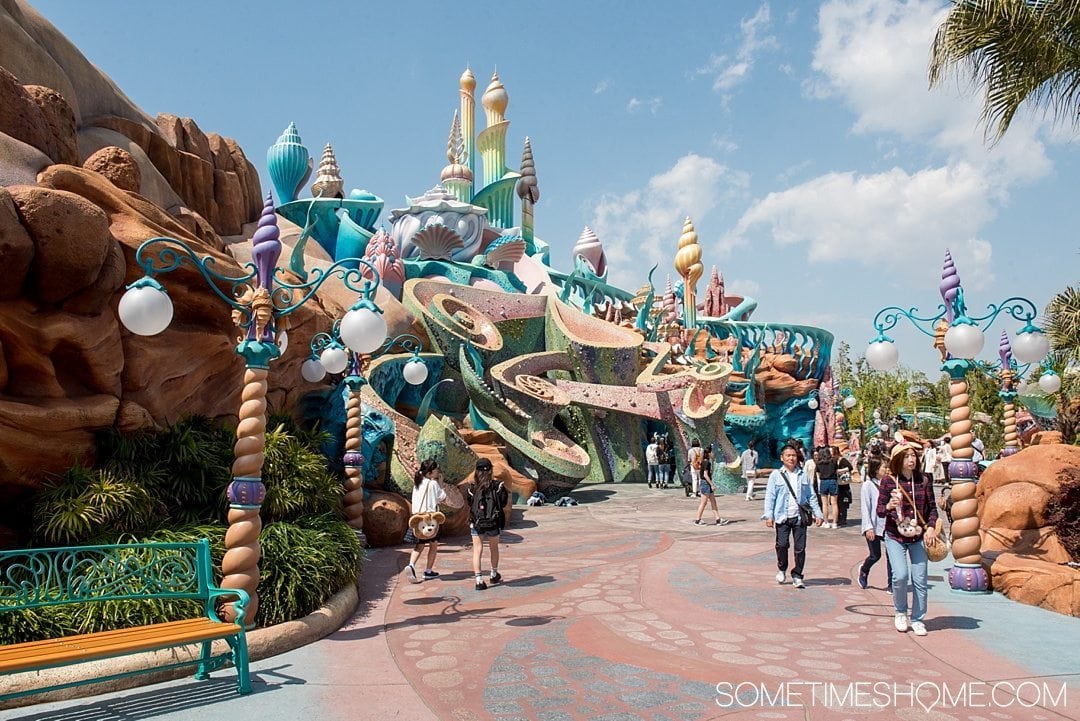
{"x": 806, "y": 513}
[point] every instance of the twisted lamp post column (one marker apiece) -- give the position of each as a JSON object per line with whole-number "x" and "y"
{"x": 959, "y": 340}
{"x": 260, "y": 310}
{"x": 328, "y": 355}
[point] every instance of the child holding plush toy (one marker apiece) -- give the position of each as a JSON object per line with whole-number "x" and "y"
{"x": 426, "y": 519}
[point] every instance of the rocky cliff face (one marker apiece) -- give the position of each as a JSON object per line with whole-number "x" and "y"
{"x": 85, "y": 177}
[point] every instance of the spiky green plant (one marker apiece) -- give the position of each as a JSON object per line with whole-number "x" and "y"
{"x": 86, "y": 506}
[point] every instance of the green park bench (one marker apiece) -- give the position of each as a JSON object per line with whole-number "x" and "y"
{"x": 46, "y": 577}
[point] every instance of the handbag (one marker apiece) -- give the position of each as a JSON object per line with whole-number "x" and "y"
{"x": 939, "y": 549}
{"x": 806, "y": 513}
{"x": 425, "y": 526}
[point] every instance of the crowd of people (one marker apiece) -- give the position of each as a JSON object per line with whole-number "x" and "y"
{"x": 897, "y": 502}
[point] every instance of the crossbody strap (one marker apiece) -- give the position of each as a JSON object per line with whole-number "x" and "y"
{"x": 788, "y": 484}
{"x": 900, "y": 485}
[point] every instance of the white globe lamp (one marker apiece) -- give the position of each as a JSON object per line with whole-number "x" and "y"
{"x": 312, "y": 370}
{"x": 334, "y": 359}
{"x": 813, "y": 404}
{"x": 283, "y": 342}
{"x": 145, "y": 308}
{"x": 363, "y": 330}
{"x": 1050, "y": 382}
{"x": 415, "y": 372}
{"x": 964, "y": 341}
{"x": 849, "y": 402}
{"x": 1030, "y": 345}
{"x": 882, "y": 355}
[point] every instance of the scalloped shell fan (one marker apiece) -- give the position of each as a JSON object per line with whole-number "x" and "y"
{"x": 506, "y": 248}
{"x": 437, "y": 242}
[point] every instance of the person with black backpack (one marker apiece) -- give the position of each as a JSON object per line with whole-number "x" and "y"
{"x": 487, "y": 499}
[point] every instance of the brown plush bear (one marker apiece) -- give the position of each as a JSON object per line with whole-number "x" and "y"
{"x": 425, "y": 526}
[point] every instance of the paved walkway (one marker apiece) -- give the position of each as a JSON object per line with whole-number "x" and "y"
{"x": 622, "y": 609}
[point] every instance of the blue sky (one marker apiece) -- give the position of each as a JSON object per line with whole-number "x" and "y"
{"x": 823, "y": 177}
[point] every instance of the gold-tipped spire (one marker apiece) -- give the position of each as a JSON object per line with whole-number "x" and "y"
{"x": 688, "y": 263}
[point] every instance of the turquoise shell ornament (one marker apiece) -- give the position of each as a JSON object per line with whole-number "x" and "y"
{"x": 289, "y": 165}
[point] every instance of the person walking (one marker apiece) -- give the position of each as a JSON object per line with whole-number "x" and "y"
{"x": 828, "y": 486}
{"x": 749, "y": 459}
{"x": 906, "y": 502}
{"x": 694, "y": 457}
{"x": 487, "y": 518}
{"x": 652, "y": 460}
{"x": 708, "y": 496}
{"x": 844, "y": 471}
{"x": 662, "y": 453}
{"x": 788, "y": 498}
{"x": 873, "y": 525}
{"x": 426, "y": 496}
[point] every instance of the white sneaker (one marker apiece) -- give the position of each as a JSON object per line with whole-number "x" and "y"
{"x": 901, "y": 624}
{"x": 797, "y": 582}
{"x": 918, "y": 628}
{"x": 780, "y": 575}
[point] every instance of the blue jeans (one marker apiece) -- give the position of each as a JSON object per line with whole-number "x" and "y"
{"x": 665, "y": 474}
{"x": 654, "y": 473}
{"x": 898, "y": 554}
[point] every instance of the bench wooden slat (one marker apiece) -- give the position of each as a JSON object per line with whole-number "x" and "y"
{"x": 73, "y": 649}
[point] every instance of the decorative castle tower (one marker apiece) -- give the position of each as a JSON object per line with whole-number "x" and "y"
{"x": 688, "y": 263}
{"x": 456, "y": 177}
{"x": 529, "y": 192}
{"x": 492, "y": 141}
{"x": 497, "y": 193}
{"x": 468, "y": 125}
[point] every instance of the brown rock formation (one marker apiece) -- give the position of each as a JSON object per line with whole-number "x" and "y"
{"x": 16, "y": 248}
{"x": 118, "y": 166}
{"x": 1025, "y": 553}
{"x": 386, "y": 517}
{"x": 39, "y": 117}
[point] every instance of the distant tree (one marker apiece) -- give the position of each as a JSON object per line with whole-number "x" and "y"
{"x": 1063, "y": 327}
{"x": 1020, "y": 51}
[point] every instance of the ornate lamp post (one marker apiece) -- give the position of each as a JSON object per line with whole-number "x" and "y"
{"x": 328, "y": 355}
{"x": 259, "y": 309}
{"x": 958, "y": 338}
{"x": 1010, "y": 377}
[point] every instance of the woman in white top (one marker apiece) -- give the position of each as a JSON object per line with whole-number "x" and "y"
{"x": 873, "y": 526}
{"x": 426, "y": 496}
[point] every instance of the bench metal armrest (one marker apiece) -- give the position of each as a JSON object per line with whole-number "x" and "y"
{"x": 240, "y": 604}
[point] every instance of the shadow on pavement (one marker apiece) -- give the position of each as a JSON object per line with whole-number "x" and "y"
{"x": 157, "y": 700}
{"x": 834, "y": 581}
{"x": 590, "y": 495}
{"x": 962, "y": 623}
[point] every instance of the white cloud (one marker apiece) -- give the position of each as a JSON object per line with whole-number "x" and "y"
{"x": 636, "y": 104}
{"x": 723, "y": 143}
{"x": 892, "y": 222}
{"x": 873, "y": 55}
{"x": 601, "y": 86}
{"x": 642, "y": 227}
{"x": 731, "y": 70}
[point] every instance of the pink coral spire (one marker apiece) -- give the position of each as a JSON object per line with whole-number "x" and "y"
{"x": 1005, "y": 350}
{"x": 950, "y": 284}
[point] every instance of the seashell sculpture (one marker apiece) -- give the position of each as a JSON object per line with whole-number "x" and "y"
{"x": 688, "y": 263}
{"x": 289, "y": 165}
{"x": 1005, "y": 351}
{"x": 382, "y": 253}
{"x": 504, "y": 249}
{"x": 437, "y": 242}
{"x": 455, "y": 154}
{"x": 670, "y": 304}
{"x": 950, "y": 284}
{"x": 590, "y": 249}
{"x": 328, "y": 182}
{"x": 527, "y": 187}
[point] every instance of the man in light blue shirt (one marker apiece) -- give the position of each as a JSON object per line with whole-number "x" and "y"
{"x": 782, "y": 513}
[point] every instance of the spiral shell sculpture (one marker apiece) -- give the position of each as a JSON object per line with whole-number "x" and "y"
{"x": 240, "y": 566}
{"x": 328, "y": 182}
{"x": 688, "y": 263}
{"x": 589, "y": 248}
{"x": 950, "y": 284}
{"x": 289, "y": 165}
{"x": 354, "y": 482}
{"x": 527, "y": 187}
{"x": 1008, "y": 393}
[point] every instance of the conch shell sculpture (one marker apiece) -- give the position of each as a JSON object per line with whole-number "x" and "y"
{"x": 328, "y": 182}
{"x": 688, "y": 263}
{"x": 590, "y": 250}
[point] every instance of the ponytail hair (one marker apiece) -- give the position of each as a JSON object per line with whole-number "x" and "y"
{"x": 426, "y": 467}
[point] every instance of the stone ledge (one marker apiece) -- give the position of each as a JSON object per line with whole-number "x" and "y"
{"x": 262, "y": 643}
